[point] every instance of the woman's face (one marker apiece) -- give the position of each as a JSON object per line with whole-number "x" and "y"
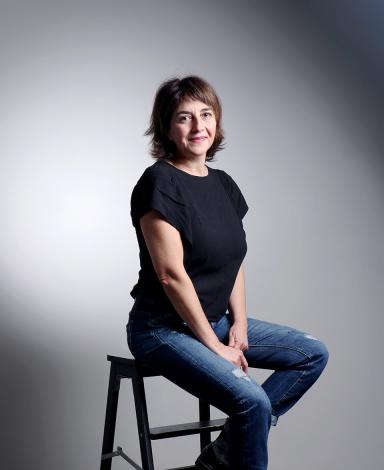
{"x": 192, "y": 128}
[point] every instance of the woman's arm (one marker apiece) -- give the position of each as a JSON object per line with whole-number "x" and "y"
{"x": 238, "y": 336}
{"x": 166, "y": 250}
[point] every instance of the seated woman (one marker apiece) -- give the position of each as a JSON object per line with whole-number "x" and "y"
{"x": 189, "y": 320}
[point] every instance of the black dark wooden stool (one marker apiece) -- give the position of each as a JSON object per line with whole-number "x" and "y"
{"x": 122, "y": 368}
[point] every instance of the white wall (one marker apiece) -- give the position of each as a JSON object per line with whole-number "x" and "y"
{"x": 301, "y": 89}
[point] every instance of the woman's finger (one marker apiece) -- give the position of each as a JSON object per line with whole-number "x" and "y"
{"x": 244, "y": 364}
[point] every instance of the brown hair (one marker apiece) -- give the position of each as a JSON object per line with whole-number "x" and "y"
{"x": 168, "y": 97}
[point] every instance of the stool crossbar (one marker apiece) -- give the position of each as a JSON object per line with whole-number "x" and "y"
{"x": 123, "y": 368}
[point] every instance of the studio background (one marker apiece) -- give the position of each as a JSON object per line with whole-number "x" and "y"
{"x": 301, "y": 88}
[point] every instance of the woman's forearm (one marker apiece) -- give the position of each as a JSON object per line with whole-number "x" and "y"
{"x": 181, "y": 292}
{"x": 237, "y": 302}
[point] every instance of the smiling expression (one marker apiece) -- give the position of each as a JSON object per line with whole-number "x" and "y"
{"x": 192, "y": 128}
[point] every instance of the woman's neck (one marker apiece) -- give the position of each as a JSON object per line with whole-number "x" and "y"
{"x": 196, "y": 168}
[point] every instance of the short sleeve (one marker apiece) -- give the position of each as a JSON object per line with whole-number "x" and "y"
{"x": 234, "y": 193}
{"x": 159, "y": 192}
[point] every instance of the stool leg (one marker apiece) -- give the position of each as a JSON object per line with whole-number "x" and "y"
{"x": 204, "y": 415}
{"x": 110, "y": 417}
{"x": 142, "y": 421}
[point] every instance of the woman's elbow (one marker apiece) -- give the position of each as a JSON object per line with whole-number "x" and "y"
{"x": 164, "y": 279}
{"x": 168, "y": 277}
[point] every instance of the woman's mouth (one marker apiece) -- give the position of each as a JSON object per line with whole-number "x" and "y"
{"x": 197, "y": 139}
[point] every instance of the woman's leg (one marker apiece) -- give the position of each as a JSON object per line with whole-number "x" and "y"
{"x": 297, "y": 357}
{"x": 177, "y": 355}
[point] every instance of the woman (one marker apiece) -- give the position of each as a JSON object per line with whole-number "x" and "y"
{"x": 189, "y": 318}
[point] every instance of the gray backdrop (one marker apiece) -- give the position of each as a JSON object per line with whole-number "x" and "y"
{"x": 301, "y": 86}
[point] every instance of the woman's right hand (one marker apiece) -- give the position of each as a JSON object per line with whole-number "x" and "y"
{"x": 233, "y": 355}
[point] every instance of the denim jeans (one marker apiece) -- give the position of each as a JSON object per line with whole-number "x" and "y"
{"x": 297, "y": 358}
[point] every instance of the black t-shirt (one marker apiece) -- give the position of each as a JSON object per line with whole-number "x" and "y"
{"x": 208, "y": 212}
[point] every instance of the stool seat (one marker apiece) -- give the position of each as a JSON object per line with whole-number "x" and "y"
{"x": 124, "y": 368}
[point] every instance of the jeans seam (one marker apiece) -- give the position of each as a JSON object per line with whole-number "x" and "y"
{"x": 281, "y": 347}
{"x": 290, "y": 388}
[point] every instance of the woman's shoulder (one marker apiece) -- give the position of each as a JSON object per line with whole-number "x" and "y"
{"x": 226, "y": 179}
{"x": 157, "y": 173}
{"x": 234, "y": 192}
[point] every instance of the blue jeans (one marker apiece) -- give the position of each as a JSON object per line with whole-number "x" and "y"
{"x": 297, "y": 358}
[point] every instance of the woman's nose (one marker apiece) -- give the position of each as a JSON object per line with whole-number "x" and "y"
{"x": 197, "y": 123}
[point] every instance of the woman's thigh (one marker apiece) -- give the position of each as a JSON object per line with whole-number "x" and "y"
{"x": 275, "y": 346}
{"x": 180, "y": 357}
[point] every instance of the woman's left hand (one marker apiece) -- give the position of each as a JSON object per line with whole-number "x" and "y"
{"x": 238, "y": 336}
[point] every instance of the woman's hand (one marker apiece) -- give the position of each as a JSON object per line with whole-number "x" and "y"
{"x": 233, "y": 355}
{"x": 238, "y": 336}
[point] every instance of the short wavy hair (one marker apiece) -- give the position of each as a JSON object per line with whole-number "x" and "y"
{"x": 168, "y": 97}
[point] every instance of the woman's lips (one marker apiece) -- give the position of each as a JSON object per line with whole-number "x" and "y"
{"x": 197, "y": 139}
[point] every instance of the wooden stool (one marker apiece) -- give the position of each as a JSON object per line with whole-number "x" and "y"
{"x": 122, "y": 368}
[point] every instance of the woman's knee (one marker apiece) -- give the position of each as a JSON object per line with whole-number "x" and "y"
{"x": 319, "y": 352}
{"x": 254, "y": 399}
